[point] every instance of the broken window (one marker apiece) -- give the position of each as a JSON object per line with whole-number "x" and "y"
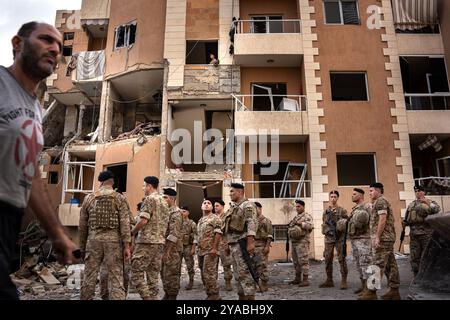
{"x": 125, "y": 35}
{"x": 268, "y": 96}
{"x": 199, "y": 52}
{"x": 267, "y": 24}
{"x": 68, "y": 36}
{"x": 349, "y": 86}
{"x": 341, "y": 12}
{"x": 356, "y": 169}
{"x": 120, "y": 176}
{"x": 53, "y": 177}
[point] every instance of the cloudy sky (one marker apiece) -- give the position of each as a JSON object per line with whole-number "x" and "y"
{"x": 14, "y": 13}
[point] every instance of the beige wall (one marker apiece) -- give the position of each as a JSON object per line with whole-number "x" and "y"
{"x": 445, "y": 28}
{"x": 291, "y": 76}
{"x": 286, "y": 8}
{"x": 149, "y": 46}
{"x": 357, "y": 126}
{"x": 202, "y": 20}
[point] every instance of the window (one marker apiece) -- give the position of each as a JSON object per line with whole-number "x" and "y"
{"x": 53, "y": 177}
{"x": 125, "y": 35}
{"x": 67, "y": 51}
{"x": 120, "y": 176}
{"x": 349, "y": 86}
{"x": 280, "y": 233}
{"x": 356, "y": 169}
{"x": 268, "y": 96}
{"x": 267, "y": 24}
{"x": 199, "y": 52}
{"x": 68, "y": 35}
{"x": 341, "y": 12}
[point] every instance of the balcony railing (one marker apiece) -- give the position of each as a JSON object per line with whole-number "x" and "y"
{"x": 292, "y": 189}
{"x": 268, "y": 26}
{"x": 265, "y": 102}
{"x": 427, "y": 101}
{"x": 435, "y": 185}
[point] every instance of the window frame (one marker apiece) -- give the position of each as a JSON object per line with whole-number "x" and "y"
{"x": 351, "y": 72}
{"x": 127, "y": 34}
{"x": 341, "y": 13}
{"x": 373, "y": 154}
{"x": 267, "y": 21}
{"x": 275, "y": 226}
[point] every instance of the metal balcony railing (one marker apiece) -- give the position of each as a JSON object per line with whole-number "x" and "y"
{"x": 435, "y": 185}
{"x": 266, "y": 102}
{"x": 289, "y": 189}
{"x": 267, "y": 26}
{"x": 427, "y": 101}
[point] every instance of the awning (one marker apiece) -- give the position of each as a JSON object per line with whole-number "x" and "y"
{"x": 415, "y": 14}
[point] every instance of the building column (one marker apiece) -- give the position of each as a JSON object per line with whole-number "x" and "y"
{"x": 106, "y": 113}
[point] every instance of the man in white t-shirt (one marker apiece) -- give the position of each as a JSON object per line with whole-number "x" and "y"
{"x": 36, "y": 50}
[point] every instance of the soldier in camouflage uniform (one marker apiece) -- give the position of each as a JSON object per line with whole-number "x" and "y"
{"x": 359, "y": 233}
{"x": 382, "y": 234}
{"x": 263, "y": 239}
{"x": 150, "y": 230}
{"x": 420, "y": 231}
{"x": 299, "y": 230}
{"x": 208, "y": 239}
{"x": 173, "y": 249}
{"x": 333, "y": 239}
{"x": 225, "y": 256}
{"x": 105, "y": 236}
{"x": 240, "y": 223}
{"x": 189, "y": 231}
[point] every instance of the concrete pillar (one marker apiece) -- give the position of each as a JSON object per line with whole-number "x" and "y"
{"x": 70, "y": 123}
{"x": 106, "y": 113}
{"x": 164, "y": 120}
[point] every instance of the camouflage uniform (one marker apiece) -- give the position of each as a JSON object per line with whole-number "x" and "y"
{"x": 359, "y": 233}
{"x": 383, "y": 256}
{"x": 225, "y": 257}
{"x": 331, "y": 242}
{"x": 150, "y": 241}
{"x": 104, "y": 228}
{"x": 208, "y": 227}
{"x": 189, "y": 232}
{"x": 240, "y": 221}
{"x": 300, "y": 234}
{"x": 171, "y": 269}
{"x": 264, "y": 232}
{"x": 420, "y": 231}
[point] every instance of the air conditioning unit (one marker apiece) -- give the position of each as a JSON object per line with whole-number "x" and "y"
{"x": 288, "y": 105}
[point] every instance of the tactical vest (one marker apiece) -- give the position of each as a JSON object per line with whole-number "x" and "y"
{"x": 418, "y": 213}
{"x": 261, "y": 233}
{"x": 188, "y": 235}
{"x": 105, "y": 213}
{"x": 236, "y": 220}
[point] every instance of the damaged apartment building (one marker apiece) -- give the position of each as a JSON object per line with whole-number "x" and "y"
{"x": 352, "y": 103}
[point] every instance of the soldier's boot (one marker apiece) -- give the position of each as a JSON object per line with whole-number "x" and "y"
{"x": 228, "y": 286}
{"x": 305, "y": 282}
{"x": 190, "y": 285}
{"x": 368, "y": 295}
{"x": 166, "y": 297}
{"x": 250, "y": 298}
{"x": 172, "y": 297}
{"x": 242, "y": 297}
{"x": 328, "y": 283}
{"x": 359, "y": 290}
{"x": 213, "y": 297}
{"x": 392, "y": 294}
{"x": 344, "y": 282}
{"x": 264, "y": 286}
{"x": 150, "y": 298}
{"x": 297, "y": 279}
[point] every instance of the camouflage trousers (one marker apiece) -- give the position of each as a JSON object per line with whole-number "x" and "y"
{"x": 300, "y": 257}
{"x": 96, "y": 253}
{"x": 188, "y": 260}
{"x": 246, "y": 284}
{"x": 418, "y": 243}
{"x": 263, "y": 260}
{"x": 104, "y": 289}
{"x": 146, "y": 261}
{"x": 171, "y": 273}
{"x": 384, "y": 258}
{"x": 362, "y": 253}
{"x": 208, "y": 267}
{"x": 328, "y": 254}
{"x": 226, "y": 261}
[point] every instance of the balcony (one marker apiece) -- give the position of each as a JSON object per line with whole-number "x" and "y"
{"x": 285, "y": 113}
{"x": 428, "y": 113}
{"x": 268, "y": 43}
{"x": 95, "y": 17}
{"x": 210, "y": 80}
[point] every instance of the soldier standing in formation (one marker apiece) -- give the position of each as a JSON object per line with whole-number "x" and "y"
{"x": 359, "y": 233}
{"x": 263, "y": 239}
{"x": 105, "y": 236}
{"x": 225, "y": 257}
{"x": 333, "y": 239}
{"x": 420, "y": 232}
{"x": 173, "y": 249}
{"x": 150, "y": 229}
{"x": 382, "y": 234}
{"x": 189, "y": 231}
{"x": 240, "y": 223}
{"x": 209, "y": 232}
{"x": 299, "y": 230}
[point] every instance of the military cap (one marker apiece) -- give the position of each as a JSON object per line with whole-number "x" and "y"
{"x": 169, "y": 192}
{"x": 237, "y": 186}
{"x": 300, "y": 202}
{"x": 377, "y": 185}
{"x": 154, "y": 181}
{"x": 359, "y": 190}
{"x": 258, "y": 204}
{"x": 105, "y": 175}
{"x": 185, "y": 208}
{"x": 419, "y": 188}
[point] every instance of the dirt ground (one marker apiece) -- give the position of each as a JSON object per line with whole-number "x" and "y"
{"x": 280, "y": 289}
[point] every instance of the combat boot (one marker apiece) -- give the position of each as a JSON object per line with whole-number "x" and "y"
{"x": 214, "y": 297}
{"x": 344, "y": 283}
{"x": 359, "y": 290}
{"x": 228, "y": 286}
{"x": 250, "y": 297}
{"x": 392, "y": 294}
{"x": 166, "y": 297}
{"x": 172, "y": 297}
{"x": 368, "y": 295}
{"x": 297, "y": 279}
{"x": 305, "y": 282}
{"x": 264, "y": 286}
{"x": 328, "y": 283}
{"x": 190, "y": 285}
